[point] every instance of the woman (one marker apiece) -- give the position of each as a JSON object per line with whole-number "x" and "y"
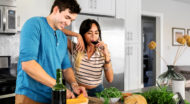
{"x": 88, "y": 65}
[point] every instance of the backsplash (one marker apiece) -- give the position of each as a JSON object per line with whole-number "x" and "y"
{"x": 9, "y": 46}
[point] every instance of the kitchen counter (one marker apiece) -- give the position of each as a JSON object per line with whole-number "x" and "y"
{"x": 94, "y": 100}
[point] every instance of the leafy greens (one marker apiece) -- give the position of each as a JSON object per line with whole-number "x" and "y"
{"x": 108, "y": 93}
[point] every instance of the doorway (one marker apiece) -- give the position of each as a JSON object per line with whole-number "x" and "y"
{"x": 149, "y": 56}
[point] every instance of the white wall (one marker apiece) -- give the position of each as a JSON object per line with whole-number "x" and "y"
{"x": 175, "y": 14}
{"x": 9, "y": 46}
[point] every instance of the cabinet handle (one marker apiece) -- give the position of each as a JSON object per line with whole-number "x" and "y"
{"x": 129, "y": 36}
{"x": 129, "y": 50}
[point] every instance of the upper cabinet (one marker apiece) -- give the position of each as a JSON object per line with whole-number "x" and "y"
{"x": 99, "y": 7}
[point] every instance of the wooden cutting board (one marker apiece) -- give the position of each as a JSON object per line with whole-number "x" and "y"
{"x": 95, "y": 100}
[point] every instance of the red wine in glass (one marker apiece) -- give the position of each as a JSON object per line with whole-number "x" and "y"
{"x": 94, "y": 42}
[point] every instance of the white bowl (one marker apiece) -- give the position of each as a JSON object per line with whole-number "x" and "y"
{"x": 112, "y": 100}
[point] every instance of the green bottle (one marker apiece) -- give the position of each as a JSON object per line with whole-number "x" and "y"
{"x": 59, "y": 90}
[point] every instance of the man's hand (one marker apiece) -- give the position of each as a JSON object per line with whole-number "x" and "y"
{"x": 70, "y": 95}
{"x": 79, "y": 89}
{"x": 80, "y": 44}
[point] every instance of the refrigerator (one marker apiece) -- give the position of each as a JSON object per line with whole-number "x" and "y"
{"x": 113, "y": 34}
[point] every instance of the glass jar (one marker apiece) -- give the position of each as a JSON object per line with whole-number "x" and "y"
{"x": 167, "y": 77}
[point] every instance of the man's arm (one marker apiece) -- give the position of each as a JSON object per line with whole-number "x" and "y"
{"x": 69, "y": 75}
{"x": 70, "y": 33}
{"x": 80, "y": 44}
{"x": 34, "y": 70}
{"x": 69, "y": 45}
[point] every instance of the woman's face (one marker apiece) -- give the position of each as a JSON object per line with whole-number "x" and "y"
{"x": 92, "y": 34}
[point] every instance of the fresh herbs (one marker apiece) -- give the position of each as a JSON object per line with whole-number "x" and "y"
{"x": 159, "y": 96}
{"x": 108, "y": 93}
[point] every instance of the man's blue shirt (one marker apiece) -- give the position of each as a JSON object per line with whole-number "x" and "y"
{"x": 39, "y": 43}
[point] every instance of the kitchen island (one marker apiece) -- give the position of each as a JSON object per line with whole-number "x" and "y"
{"x": 93, "y": 100}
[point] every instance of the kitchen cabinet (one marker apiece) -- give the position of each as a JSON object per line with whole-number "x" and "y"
{"x": 99, "y": 7}
{"x": 133, "y": 70}
{"x": 133, "y": 66}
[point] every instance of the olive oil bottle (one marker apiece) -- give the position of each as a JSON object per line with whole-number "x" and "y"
{"x": 59, "y": 90}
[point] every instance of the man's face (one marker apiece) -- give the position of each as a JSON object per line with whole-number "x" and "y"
{"x": 63, "y": 18}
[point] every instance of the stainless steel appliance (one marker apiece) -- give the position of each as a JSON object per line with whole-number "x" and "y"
{"x": 8, "y": 16}
{"x": 113, "y": 34}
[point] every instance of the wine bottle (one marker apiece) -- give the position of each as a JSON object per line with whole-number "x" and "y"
{"x": 59, "y": 90}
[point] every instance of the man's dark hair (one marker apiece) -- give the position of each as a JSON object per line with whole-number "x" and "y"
{"x": 86, "y": 26}
{"x": 72, "y": 5}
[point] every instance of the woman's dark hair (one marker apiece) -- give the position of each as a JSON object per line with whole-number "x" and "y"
{"x": 72, "y": 5}
{"x": 85, "y": 27}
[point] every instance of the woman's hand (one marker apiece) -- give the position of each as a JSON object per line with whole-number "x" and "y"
{"x": 104, "y": 49}
{"x": 69, "y": 95}
{"x": 80, "y": 44}
{"x": 79, "y": 89}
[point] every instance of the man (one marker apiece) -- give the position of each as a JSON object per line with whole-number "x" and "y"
{"x": 43, "y": 49}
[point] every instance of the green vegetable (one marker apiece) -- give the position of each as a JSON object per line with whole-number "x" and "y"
{"x": 159, "y": 96}
{"x": 108, "y": 93}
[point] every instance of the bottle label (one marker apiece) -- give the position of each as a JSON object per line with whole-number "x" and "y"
{"x": 59, "y": 97}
